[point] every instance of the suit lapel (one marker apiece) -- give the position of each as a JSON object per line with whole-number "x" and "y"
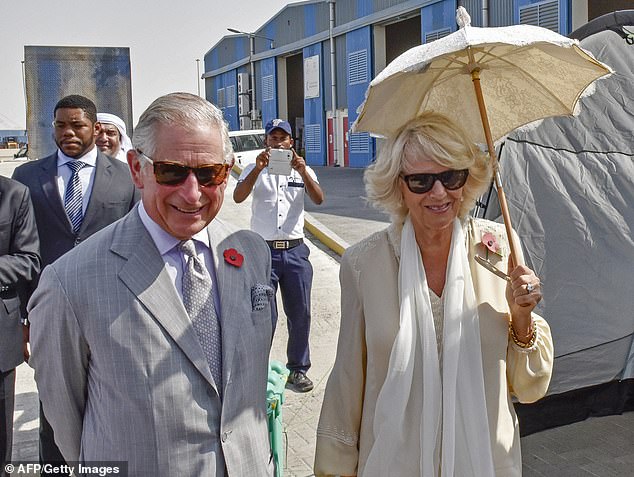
{"x": 101, "y": 187}
{"x": 145, "y": 275}
{"x": 230, "y": 280}
{"x": 48, "y": 182}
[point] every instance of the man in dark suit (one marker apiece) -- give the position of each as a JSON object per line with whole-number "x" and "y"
{"x": 76, "y": 191}
{"x": 19, "y": 265}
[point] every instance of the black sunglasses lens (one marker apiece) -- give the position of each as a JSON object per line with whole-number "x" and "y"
{"x": 420, "y": 183}
{"x": 453, "y": 180}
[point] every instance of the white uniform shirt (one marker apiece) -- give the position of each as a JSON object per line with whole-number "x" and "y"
{"x": 277, "y": 208}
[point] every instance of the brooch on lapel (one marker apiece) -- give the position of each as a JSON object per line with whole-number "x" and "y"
{"x": 233, "y": 257}
{"x": 491, "y": 244}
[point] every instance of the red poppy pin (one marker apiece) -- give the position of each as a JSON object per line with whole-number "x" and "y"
{"x": 491, "y": 243}
{"x": 232, "y": 257}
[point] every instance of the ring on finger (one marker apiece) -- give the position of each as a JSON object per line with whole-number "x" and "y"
{"x": 529, "y": 288}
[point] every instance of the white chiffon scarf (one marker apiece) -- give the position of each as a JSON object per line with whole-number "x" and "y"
{"x": 424, "y": 425}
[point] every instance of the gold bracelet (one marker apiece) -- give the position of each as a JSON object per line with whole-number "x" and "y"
{"x": 531, "y": 341}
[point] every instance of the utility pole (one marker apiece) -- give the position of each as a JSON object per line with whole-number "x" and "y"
{"x": 198, "y": 74}
{"x": 252, "y": 37}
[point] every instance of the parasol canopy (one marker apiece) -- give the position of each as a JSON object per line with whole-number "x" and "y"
{"x": 514, "y": 75}
{"x": 526, "y": 73}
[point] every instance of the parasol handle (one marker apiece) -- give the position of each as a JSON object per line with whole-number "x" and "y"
{"x": 475, "y": 77}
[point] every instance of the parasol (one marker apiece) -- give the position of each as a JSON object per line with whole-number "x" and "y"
{"x": 489, "y": 80}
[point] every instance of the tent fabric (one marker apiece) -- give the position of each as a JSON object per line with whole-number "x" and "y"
{"x": 570, "y": 187}
{"x": 610, "y": 21}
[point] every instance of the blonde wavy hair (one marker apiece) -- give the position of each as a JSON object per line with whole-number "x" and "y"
{"x": 434, "y": 136}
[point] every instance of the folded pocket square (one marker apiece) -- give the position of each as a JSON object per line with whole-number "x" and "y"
{"x": 261, "y": 296}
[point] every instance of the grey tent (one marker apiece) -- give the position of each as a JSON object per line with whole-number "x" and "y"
{"x": 570, "y": 187}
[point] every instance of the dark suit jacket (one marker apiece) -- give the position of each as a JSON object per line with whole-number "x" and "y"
{"x": 19, "y": 265}
{"x": 113, "y": 195}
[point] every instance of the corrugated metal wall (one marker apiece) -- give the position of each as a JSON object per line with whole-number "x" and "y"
{"x": 350, "y": 10}
{"x": 340, "y": 68}
{"x": 359, "y": 74}
{"x": 228, "y": 50}
{"x": 266, "y": 81}
{"x": 474, "y": 7}
{"x": 314, "y": 117}
{"x": 296, "y": 23}
{"x": 500, "y": 13}
{"x": 293, "y": 31}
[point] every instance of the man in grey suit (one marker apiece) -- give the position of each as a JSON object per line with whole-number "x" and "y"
{"x": 76, "y": 191}
{"x": 163, "y": 318}
{"x": 19, "y": 265}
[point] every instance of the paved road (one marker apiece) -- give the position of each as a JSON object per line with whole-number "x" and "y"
{"x": 595, "y": 447}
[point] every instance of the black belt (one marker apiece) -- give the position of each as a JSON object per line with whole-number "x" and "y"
{"x": 284, "y": 244}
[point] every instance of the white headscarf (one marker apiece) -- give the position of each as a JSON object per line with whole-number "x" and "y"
{"x": 424, "y": 424}
{"x": 126, "y": 143}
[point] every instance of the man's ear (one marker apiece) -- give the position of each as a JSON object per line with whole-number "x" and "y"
{"x": 136, "y": 165}
{"x": 97, "y": 129}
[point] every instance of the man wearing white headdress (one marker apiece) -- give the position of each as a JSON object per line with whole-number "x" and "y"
{"x": 113, "y": 138}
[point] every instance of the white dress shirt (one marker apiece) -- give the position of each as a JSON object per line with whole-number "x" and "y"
{"x": 86, "y": 174}
{"x": 174, "y": 259}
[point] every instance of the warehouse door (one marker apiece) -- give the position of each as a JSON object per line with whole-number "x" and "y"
{"x": 295, "y": 97}
{"x": 401, "y": 36}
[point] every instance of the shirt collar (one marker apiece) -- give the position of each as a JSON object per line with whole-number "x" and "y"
{"x": 90, "y": 158}
{"x": 163, "y": 240}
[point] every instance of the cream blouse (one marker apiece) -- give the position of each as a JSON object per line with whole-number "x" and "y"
{"x": 369, "y": 324}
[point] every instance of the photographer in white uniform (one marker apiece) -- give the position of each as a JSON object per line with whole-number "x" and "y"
{"x": 277, "y": 214}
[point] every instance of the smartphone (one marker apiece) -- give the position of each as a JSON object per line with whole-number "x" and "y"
{"x": 280, "y": 161}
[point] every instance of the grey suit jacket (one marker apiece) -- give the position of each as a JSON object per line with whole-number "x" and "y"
{"x": 19, "y": 265}
{"x": 121, "y": 374}
{"x": 113, "y": 195}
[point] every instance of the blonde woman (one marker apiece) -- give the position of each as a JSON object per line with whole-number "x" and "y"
{"x": 432, "y": 345}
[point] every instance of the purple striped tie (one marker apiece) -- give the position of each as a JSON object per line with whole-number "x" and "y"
{"x": 73, "y": 197}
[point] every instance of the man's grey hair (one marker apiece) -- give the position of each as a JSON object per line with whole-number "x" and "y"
{"x": 184, "y": 110}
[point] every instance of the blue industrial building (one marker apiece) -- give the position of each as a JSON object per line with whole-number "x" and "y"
{"x": 312, "y": 62}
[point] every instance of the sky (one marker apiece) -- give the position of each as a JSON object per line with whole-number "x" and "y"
{"x": 165, "y": 38}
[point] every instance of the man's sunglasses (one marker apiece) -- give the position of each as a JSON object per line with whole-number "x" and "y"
{"x": 421, "y": 183}
{"x": 173, "y": 173}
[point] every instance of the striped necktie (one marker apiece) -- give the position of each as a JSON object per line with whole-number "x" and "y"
{"x": 73, "y": 197}
{"x": 198, "y": 299}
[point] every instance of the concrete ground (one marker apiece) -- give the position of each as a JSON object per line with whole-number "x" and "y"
{"x": 7, "y": 154}
{"x": 595, "y": 447}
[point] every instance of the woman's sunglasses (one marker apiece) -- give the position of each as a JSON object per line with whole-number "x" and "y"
{"x": 173, "y": 173}
{"x": 421, "y": 183}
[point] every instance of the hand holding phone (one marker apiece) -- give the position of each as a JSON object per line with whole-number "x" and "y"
{"x": 280, "y": 161}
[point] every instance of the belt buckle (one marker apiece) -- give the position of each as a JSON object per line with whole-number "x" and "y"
{"x": 280, "y": 244}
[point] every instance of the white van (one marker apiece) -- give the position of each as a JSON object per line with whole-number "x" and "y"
{"x": 246, "y": 145}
